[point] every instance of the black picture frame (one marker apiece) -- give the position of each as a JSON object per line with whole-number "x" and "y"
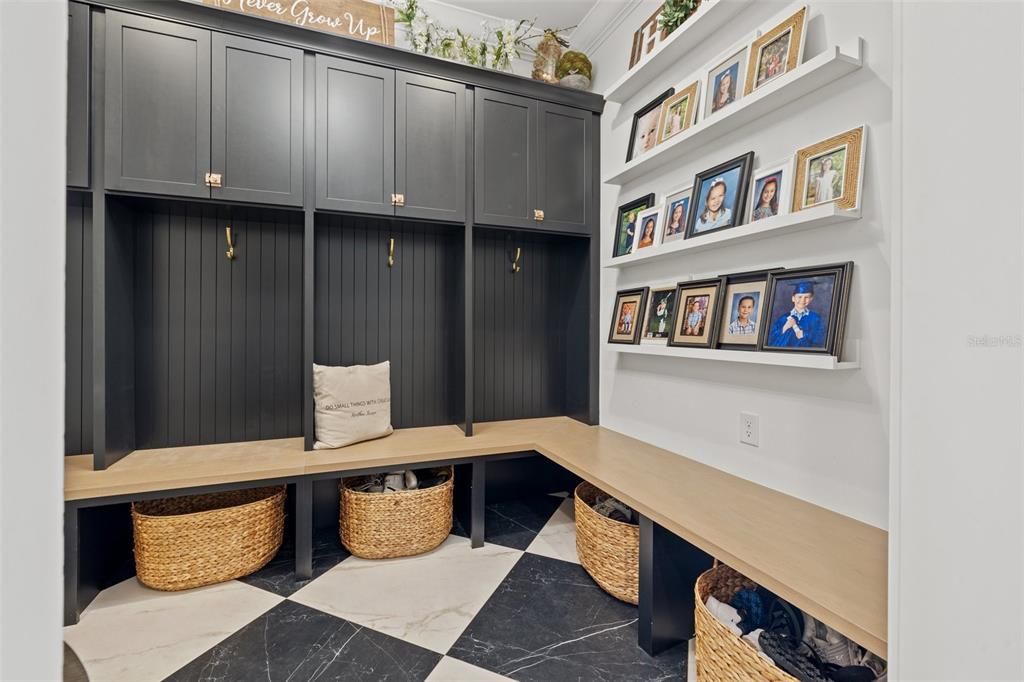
{"x": 839, "y": 305}
{"x": 638, "y": 321}
{"x": 748, "y": 277}
{"x": 640, "y": 113}
{"x": 745, "y": 164}
{"x": 652, "y": 292}
{"x": 713, "y": 312}
{"x": 635, "y": 205}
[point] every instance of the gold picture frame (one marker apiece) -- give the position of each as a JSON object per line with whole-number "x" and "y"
{"x": 792, "y": 30}
{"x": 842, "y": 186}
{"x": 689, "y": 95}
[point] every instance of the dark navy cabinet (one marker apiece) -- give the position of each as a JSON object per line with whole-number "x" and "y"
{"x": 355, "y": 136}
{"x": 78, "y": 95}
{"x": 533, "y": 163}
{"x": 430, "y": 148}
{"x": 256, "y": 121}
{"x": 157, "y": 106}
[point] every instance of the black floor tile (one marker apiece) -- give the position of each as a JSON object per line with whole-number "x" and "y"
{"x": 294, "y": 642}
{"x": 549, "y": 621}
{"x": 279, "y": 575}
{"x": 515, "y": 524}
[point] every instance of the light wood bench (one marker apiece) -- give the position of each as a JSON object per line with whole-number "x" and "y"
{"x": 826, "y": 564}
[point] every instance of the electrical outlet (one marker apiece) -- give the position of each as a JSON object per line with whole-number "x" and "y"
{"x": 749, "y": 429}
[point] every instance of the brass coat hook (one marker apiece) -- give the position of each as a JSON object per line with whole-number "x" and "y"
{"x": 230, "y": 253}
{"x": 516, "y": 267}
{"x": 391, "y": 252}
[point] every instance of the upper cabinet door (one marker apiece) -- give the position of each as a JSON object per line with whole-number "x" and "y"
{"x": 257, "y": 121}
{"x": 78, "y": 95}
{"x": 565, "y": 167}
{"x": 355, "y": 136}
{"x": 430, "y": 148}
{"x": 157, "y": 106}
{"x": 505, "y": 169}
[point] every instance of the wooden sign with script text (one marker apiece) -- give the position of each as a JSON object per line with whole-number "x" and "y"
{"x": 354, "y": 18}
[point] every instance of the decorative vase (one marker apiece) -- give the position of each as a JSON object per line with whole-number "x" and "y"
{"x": 546, "y": 62}
{"x": 576, "y": 81}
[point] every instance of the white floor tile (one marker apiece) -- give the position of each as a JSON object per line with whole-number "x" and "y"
{"x": 557, "y": 539}
{"x": 454, "y": 670}
{"x": 132, "y": 633}
{"x": 427, "y": 599}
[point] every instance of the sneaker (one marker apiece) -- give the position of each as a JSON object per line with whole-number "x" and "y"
{"x": 410, "y": 480}
{"x": 783, "y": 652}
{"x": 394, "y": 482}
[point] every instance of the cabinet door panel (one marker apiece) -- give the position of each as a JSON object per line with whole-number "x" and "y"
{"x": 430, "y": 147}
{"x": 257, "y": 121}
{"x": 355, "y": 131}
{"x": 564, "y": 167}
{"x": 157, "y": 106}
{"x": 505, "y": 168}
{"x": 78, "y": 95}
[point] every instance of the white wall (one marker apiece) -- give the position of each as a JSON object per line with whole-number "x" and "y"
{"x": 956, "y": 530}
{"x": 824, "y": 435}
{"x": 32, "y": 113}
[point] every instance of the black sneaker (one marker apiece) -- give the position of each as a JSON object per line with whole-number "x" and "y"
{"x": 783, "y": 651}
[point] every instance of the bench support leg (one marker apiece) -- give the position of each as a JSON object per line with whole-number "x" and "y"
{"x": 71, "y": 558}
{"x": 477, "y": 502}
{"x": 669, "y": 567}
{"x": 303, "y": 529}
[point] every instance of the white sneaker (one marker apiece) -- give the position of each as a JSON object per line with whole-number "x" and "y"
{"x": 394, "y": 482}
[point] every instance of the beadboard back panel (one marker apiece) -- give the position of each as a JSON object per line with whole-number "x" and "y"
{"x": 218, "y": 341}
{"x": 367, "y": 312}
{"x": 78, "y": 326}
{"x": 530, "y": 333}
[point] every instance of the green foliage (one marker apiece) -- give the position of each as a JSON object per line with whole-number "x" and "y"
{"x": 574, "y": 62}
{"x": 675, "y": 12}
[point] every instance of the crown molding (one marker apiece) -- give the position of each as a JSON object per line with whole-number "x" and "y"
{"x": 600, "y": 23}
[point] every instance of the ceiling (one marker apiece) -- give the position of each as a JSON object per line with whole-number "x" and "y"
{"x": 548, "y": 13}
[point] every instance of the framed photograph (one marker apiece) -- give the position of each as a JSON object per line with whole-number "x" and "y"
{"x": 777, "y": 51}
{"x": 658, "y": 318}
{"x": 646, "y": 38}
{"x": 831, "y": 171}
{"x": 771, "y": 191}
{"x": 648, "y": 228}
{"x": 724, "y": 83}
{"x": 720, "y": 196}
{"x": 644, "y": 135}
{"x": 806, "y": 309}
{"x": 678, "y": 112}
{"x": 627, "y": 316}
{"x": 696, "y": 319}
{"x": 742, "y": 304}
{"x": 625, "y": 225}
{"x": 677, "y": 210}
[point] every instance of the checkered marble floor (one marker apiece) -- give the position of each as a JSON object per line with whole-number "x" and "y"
{"x": 518, "y": 608}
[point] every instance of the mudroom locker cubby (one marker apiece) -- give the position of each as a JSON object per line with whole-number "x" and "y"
{"x": 247, "y": 198}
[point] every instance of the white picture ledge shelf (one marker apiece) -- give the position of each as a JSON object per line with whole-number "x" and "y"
{"x": 706, "y": 21}
{"x": 805, "y": 360}
{"x": 817, "y": 216}
{"x": 832, "y": 64}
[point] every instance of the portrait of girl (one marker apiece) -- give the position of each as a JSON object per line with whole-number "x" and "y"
{"x": 766, "y": 196}
{"x": 647, "y": 232}
{"x": 717, "y": 207}
{"x": 724, "y": 87}
{"x": 675, "y": 226}
{"x": 826, "y": 177}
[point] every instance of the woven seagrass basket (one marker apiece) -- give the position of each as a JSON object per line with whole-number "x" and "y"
{"x": 721, "y": 655}
{"x": 609, "y": 550}
{"x": 397, "y": 524}
{"x": 186, "y": 542}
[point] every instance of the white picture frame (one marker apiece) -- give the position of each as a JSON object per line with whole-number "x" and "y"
{"x": 683, "y": 196}
{"x": 642, "y": 219}
{"x": 783, "y": 198}
{"x": 734, "y": 59}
